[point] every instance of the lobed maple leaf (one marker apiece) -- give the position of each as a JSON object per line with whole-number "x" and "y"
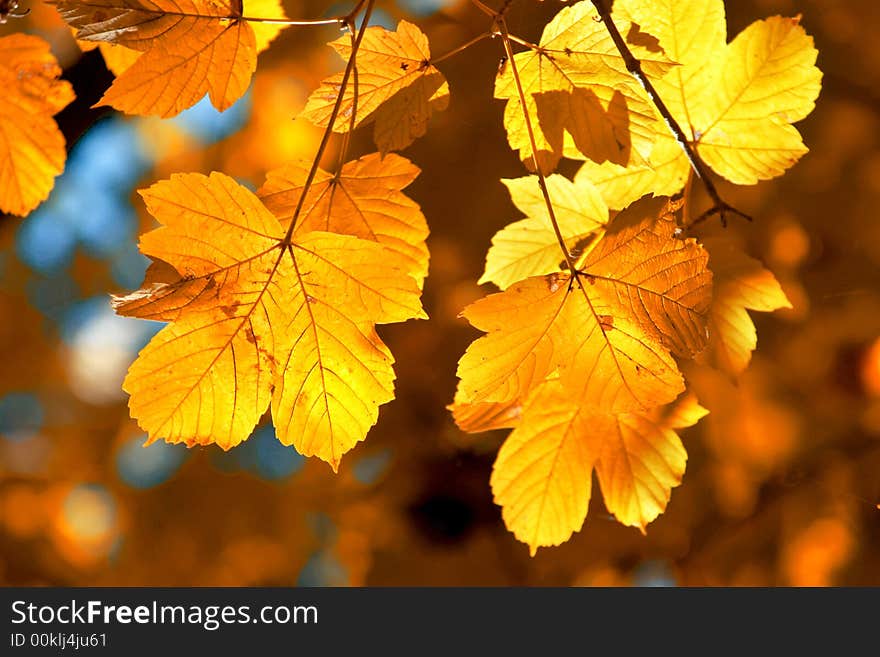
{"x": 364, "y": 200}
{"x": 582, "y": 101}
{"x": 397, "y": 87}
{"x": 640, "y": 295}
{"x": 257, "y": 320}
{"x": 582, "y": 368}
{"x": 542, "y": 476}
{"x": 32, "y": 148}
{"x": 735, "y": 101}
{"x": 188, "y": 48}
{"x": 741, "y": 283}
{"x": 529, "y": 247}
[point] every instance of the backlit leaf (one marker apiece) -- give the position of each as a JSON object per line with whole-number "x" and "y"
{"x": 529, "y": 247}
{"x": 641, "y": 459}
{"x": 736, "y": 102}
{"x": 189, "y": 48}
{"x": 542, "y": 476}
{"x": 397, "y": 87}
{"x": 641, "y": 294}
{"x": 32, "y": 148}
{"x": 741, "y": 283}
{"x": 365, "y": 200}
{"x": 254, "y": 320}
{"x": 582, "y": 101}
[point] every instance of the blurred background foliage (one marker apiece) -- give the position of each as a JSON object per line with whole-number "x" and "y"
{"x": 783, "y": 480}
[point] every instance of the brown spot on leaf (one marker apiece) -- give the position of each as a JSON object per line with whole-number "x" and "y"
{"x": 606, "y": 322}
{"x": 553, "y": 281}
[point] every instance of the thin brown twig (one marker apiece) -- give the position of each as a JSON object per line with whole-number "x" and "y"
{"x": 720, "y": 207}
{"x": 346, "y": 138}
{"x": 325, "y": 139}
{"x": 542, "y": 182}
{"x": 523, "y": 42}
{"x": 338, "y": 20}
{"x": 461, "y": 48}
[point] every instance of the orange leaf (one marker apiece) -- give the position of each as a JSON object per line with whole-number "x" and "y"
{"x": 365, "y": 200}
{"x": 640, "y": 294}
{"x": 190, "y": 48}
{"x": 255, "y": 320}
{"x": 582, "y": 101}
{"x": 397, "y": 88}
{"x": 32, "y": 148}
{"x": 741, "y": 283}
{"x": 641, "y": 458}
{"x": 542, "y": 476}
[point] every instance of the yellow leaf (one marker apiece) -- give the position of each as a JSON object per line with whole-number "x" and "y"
{"x": 582, "y": 101}
{"x": 692, "y": 33}
{"x": 32, "y": 148}
{"x": 542, "y": 476}
{"x": 529, "y": 247}
{"x": 766, "y": 81}
{"x": 365, "y": 200}
{"x": 397, "y": 88}
{"x": 736, "y": 102}
{"x": 264, "y": 33}
{"x": 254, "y": 320}
{"x": 620, "y": 186}
{"x": 641, "y": 458}
{"x": 639, "y": 294}
{"x": 117, "y": 58}
{"x": 488, "y": 416}
{"x": 741, "y": 283}
{"x": 189, "y": 48}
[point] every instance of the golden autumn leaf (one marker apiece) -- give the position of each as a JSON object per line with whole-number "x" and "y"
{"x": 529, "y": 247}
{"x": 640, "y": 295}
{"x": 641, "y": 458}
{"x": 118, "y": 58}
{"x": 621, "y": 185}
{"x": 32, "y": 148}
{"x": 485, "y": 416}
{"x": 256, "y": 320}
{"x": 397, "y": 87}
{"x": 542, "y": 476}
{"x": 582, "y": 101}
{"x": 189, "y": 48}
{"x": 736, "y": 102}
{"x": 364, "y": 200}
{"x": 741, "y": 284}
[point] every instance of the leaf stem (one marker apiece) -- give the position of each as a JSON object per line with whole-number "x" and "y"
{"x": 542, "y": 182}
{"x": 325, "y": 139}
{"x": 461, "y": 48}
{"x": 339, "y": 20}
{"x": 634, "y": 66}
{"x": 346, "y": 138}
{"x": 523, "y": 42}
